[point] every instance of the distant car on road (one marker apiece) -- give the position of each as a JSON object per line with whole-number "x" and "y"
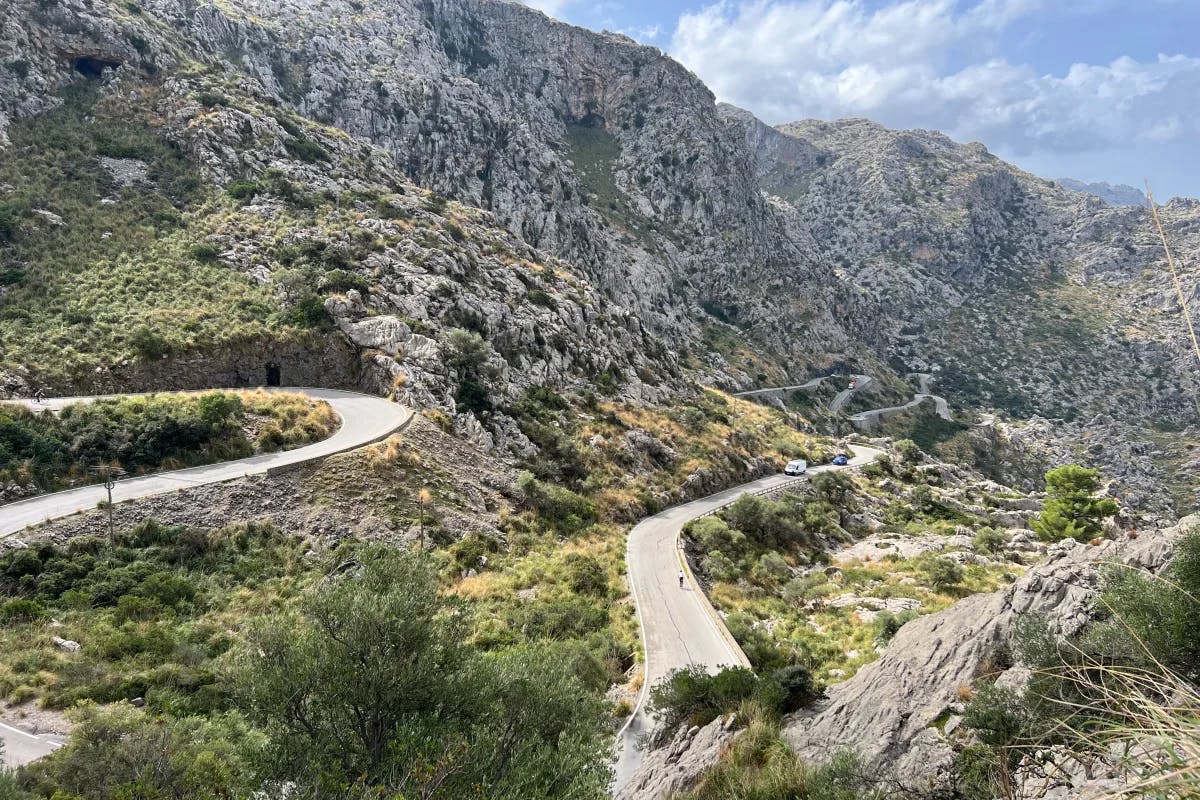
{"x": 797, "y": 467}
{"x": 852, "y": 385}
{"x": 840, "y": 460}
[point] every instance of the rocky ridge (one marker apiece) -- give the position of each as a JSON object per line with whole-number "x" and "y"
{"x": 707, "y": 225}
{"x": 891, "y": 709}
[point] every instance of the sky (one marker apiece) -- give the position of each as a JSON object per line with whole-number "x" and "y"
{"x": 1098, "y": 90}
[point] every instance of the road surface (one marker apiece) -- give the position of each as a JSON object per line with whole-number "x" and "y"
{"x": 815, "y": 382}
{"x": 365, "y": 419}
{"x": 865, "y": 419}
{"x": 679, "y": 625}
{"x": 835, "y": 405}
{"x": 868, "y": 419}
{"x": 21, "y": 747}
{"x": 860, "y": 382}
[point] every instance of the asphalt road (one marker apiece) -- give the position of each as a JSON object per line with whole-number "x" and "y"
{"x": 21, "y": 747}
{"x": 365, "y": 419}
{"x": 860, "y": 382}
{"x": 679, "y": 625}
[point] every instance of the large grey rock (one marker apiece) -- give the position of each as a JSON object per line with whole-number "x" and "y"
{"x": 888, "y": 710}
{"x": 677, "y": 765}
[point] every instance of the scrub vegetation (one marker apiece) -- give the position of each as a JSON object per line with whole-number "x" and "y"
{"x": 795, "y": 595}
{"x": 49, "y": 451}
{"x": 1127, "y": 685}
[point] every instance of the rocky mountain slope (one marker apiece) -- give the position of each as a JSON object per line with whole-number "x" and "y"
{"x": 1018, "y": 294}
{"x": 1119, "y": 195}
{"x": 722, "y": 236}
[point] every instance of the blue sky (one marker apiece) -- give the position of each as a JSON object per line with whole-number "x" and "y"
{"x": 1090, "y": 89}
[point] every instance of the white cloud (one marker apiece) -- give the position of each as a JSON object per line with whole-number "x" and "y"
{"x": 790, "y": 59}
{"x": 552, "y": 8}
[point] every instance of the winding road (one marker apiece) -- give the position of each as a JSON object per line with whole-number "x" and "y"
{"x": 863, "y": 419}
{"x": 835, "y": 405}
{"x": 868, "y": 419}
{"x": 365, "y": 420}
{"x": 679, "y": 625}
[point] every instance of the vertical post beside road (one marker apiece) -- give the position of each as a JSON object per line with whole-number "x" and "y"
{"x": 109, "y": 483}
{"x": 110, "y": 474}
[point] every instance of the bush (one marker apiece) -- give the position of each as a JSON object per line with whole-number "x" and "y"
{"x": 111, "y": 750}
{"x": 943, "y": 573}
{"x": 563, "y": 510}
{"x": 205, "y": 252}
{"x": 341, "y": 281}
{"x": 306, "y": 150}
{"x": 887, "y": 625}
{"x": 403, "y": 705}
{"x": 909, "y": 452}
{"x": 465, "y": 349}
{"x": 990, "y": 541}
{"x": 473, "y": 397}
{"x": 244, "y": 190}
{"x": 21, "y": 610}
{"x": 149, "y": 344}
{"x": 999, "y": 716}
{"x": 759, "y": 765}
{"x": 797, "y": 686}
{"x": 11, "y": 213}
{"x": 585, "y": 574}
{"x": 694, "y": 696}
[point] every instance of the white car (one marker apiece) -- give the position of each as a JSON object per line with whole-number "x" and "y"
{"x": 797, "y": 467}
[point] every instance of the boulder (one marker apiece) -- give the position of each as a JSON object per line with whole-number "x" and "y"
{"x": 678, "y": 765}
{"x": 888, "y": 710}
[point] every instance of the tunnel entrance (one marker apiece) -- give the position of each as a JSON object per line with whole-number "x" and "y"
{"x": 93, "y": 66}
{"x": 273, "y": 375}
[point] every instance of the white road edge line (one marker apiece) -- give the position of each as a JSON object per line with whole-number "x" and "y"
{"x": 721, "y": 628}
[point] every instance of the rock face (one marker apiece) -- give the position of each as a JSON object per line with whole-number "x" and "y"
{"x": 716, "y": 234}
{"x": 677, "y": 765}
{"x": 897, "y": 710}
{"x": 1119, "y": 195}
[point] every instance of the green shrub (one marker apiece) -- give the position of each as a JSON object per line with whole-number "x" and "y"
{"x": 563, "y": 510}
{"x": 211, "y": 99}
{"x": 148, "y": 344}
{"x": 206, "y": 252}
{"x": 797, "y": 686}
{"x": 585, "y": 574}
{"x": 694, "y": 696}
{"x": 887, "y": 625}
{"x": 306, "y": 150}
{"x": 341, "y": 281}
{"x": 473, "y": 397}
{"x": 110, "y": 749}
{"x": 244, "y": 190}
{"x": 998, "y": 715}
{"x": 21, "y": 610}
{"x": 943, "y": 573}
{"x": 990, "y": 540}
{"x": 465, "y": 349}
{"x": 11, "y": 214}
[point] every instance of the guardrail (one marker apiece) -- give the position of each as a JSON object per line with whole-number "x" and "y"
{"x": 760, "y": 493}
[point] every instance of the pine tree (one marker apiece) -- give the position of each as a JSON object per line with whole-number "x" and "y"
{"x": 1072, "y": 509}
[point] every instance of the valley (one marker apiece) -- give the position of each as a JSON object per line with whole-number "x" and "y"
{"x": 540, "y": 322}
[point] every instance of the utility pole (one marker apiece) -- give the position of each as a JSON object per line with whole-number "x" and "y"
{"x": 110, "y": 474}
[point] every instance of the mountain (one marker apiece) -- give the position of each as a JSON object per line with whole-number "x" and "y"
{"x": 751, "y": 253}
{"x": 551, "y": 241}
{"x": 1119, "y": 195}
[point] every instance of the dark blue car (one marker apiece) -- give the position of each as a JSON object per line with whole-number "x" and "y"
{"x": 840, "y": 460}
